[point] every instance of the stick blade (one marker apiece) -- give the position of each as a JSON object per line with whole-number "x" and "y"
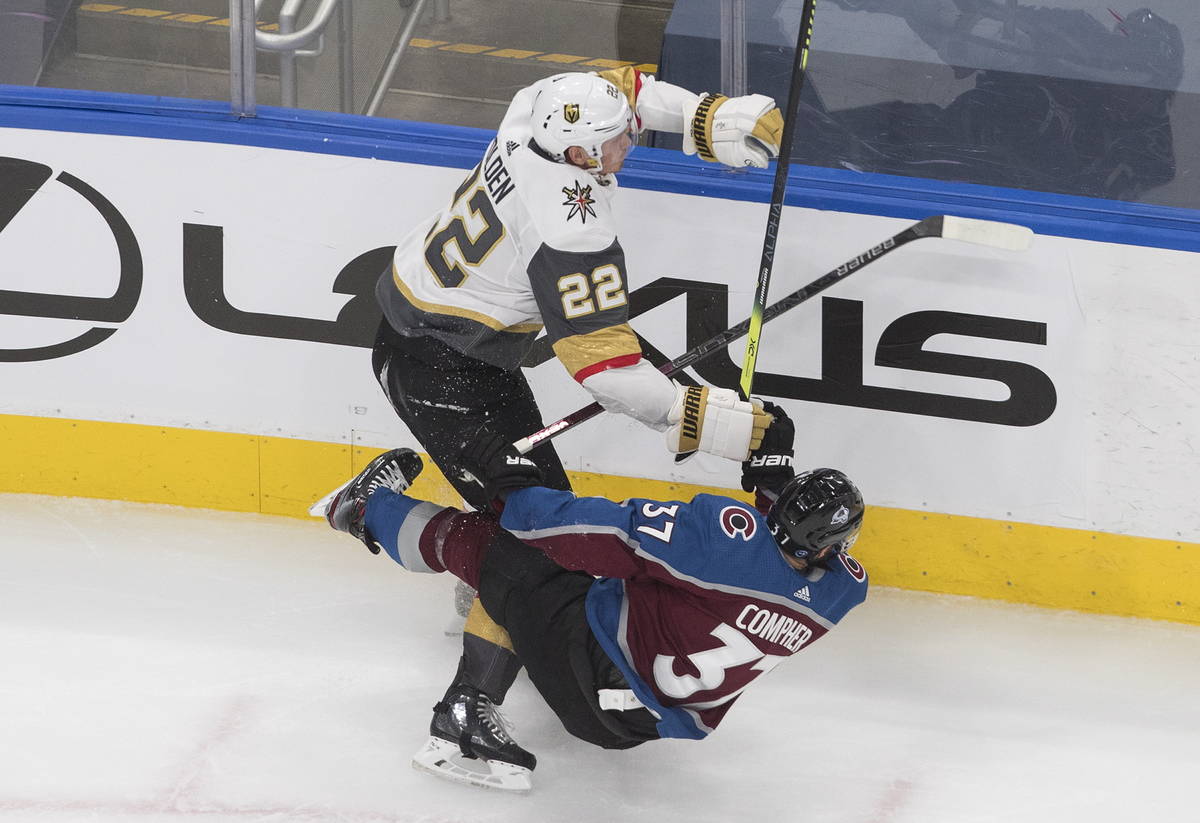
{"x": 991, "y": 233}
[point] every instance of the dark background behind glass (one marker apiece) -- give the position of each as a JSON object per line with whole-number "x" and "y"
{"x": 1078, "y": 99}
{"x": 1087, "y": 97}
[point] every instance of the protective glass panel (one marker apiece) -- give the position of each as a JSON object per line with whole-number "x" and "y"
{"x": 465, "y": 59}
{"x": 175, "y": 48}
{"x": 1070, "y": 96}
{"x": 445, "y": 61}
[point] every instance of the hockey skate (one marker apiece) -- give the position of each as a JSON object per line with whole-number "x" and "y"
{"x": 345, "y": 506}
{"x": 468, "y": 743}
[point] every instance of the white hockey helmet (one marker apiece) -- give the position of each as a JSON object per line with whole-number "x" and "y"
{"x": 578, "y": 109}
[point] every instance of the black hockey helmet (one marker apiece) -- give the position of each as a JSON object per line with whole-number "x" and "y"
{"x": 817, "y": 510}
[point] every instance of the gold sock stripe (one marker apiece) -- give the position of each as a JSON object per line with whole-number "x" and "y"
{"x": 480, "y": 624}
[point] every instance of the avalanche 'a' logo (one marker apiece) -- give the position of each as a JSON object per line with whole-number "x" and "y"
{"x": 737, "y": 522}
{"x": 580, "y": 200}
{"x": 853, "y": 566}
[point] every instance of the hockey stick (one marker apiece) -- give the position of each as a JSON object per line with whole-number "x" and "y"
{"x": 980, "y": 232}
{"x": 767, "y": 261}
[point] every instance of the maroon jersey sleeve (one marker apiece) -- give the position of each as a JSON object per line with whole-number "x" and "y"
{"x": 601, "y": 555}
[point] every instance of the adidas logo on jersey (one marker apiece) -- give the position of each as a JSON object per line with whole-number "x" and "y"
{"x": 510, "y": 147}
{"x": 802, "y": 594}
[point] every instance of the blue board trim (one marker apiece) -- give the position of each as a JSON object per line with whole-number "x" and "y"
{"x": 434, "y": 144}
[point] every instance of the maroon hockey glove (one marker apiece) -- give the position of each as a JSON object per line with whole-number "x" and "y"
{"x": 497, "y": 466}
{"x": 770, "y": 465}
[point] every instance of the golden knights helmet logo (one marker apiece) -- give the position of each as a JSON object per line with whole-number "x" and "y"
{"x": 571, "y": 112}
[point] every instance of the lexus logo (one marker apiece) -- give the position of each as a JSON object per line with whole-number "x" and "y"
{"x": 20, "y": 182}
{"x": 1030, "y": 396}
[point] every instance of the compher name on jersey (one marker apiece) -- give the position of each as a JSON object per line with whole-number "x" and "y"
{"x": 774, "y": 628}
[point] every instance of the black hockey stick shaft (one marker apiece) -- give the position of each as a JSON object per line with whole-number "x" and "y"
{"x": 770, "y": 237}
{"x": 929, "y": 227}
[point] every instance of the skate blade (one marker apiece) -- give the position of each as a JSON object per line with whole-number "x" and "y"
{"x": 443, "y": 759}
{"x": 318, "y": 509}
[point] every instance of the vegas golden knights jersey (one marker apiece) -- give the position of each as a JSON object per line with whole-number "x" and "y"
{"x": 525, "y": 243}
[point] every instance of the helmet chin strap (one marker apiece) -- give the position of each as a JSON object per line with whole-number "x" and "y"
{"x": 594, "y": 167}
{"x": 822, "y": 556}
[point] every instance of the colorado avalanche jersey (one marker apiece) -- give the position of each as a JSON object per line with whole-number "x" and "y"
{"x": 693, "y": 601}
{"x": 524, "y": 243}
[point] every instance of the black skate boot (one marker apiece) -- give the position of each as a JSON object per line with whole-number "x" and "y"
{"x": 468, "y": 743}
{"x": 346, "y": 506}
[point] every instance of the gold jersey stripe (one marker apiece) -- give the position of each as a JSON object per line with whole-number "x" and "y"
{"x": 579, "y": 351}
{"x": 457, "y": 311}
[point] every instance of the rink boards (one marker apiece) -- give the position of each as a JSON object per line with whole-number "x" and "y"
{"x": 185, "y": 318}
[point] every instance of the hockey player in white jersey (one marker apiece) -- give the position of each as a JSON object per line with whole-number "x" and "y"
{"x": 528, "y": 242}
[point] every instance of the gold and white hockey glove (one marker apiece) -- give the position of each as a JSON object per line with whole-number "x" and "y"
{"x": 715, "y": 421}
{"x": 736, "y": 131}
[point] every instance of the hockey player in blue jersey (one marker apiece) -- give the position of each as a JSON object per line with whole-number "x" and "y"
{"x": 635, "y": 620}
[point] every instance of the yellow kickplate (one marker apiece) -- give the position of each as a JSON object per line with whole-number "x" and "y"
{"x": 1018, "y": 562}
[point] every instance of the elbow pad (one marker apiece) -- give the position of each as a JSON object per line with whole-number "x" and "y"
{"x": 639, "y": 391}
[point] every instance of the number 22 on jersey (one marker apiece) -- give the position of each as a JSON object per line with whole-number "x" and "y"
{"x": 474, "y": 231}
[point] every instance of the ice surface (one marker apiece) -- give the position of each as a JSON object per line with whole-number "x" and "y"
{"x": 168, "y": 664}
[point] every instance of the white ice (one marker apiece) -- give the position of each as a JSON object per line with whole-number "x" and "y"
{"x": 169, "y": 664}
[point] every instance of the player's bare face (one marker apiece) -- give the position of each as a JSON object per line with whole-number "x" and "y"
{"x": 803, "y": 565}
{"x": 614, "y": 151}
